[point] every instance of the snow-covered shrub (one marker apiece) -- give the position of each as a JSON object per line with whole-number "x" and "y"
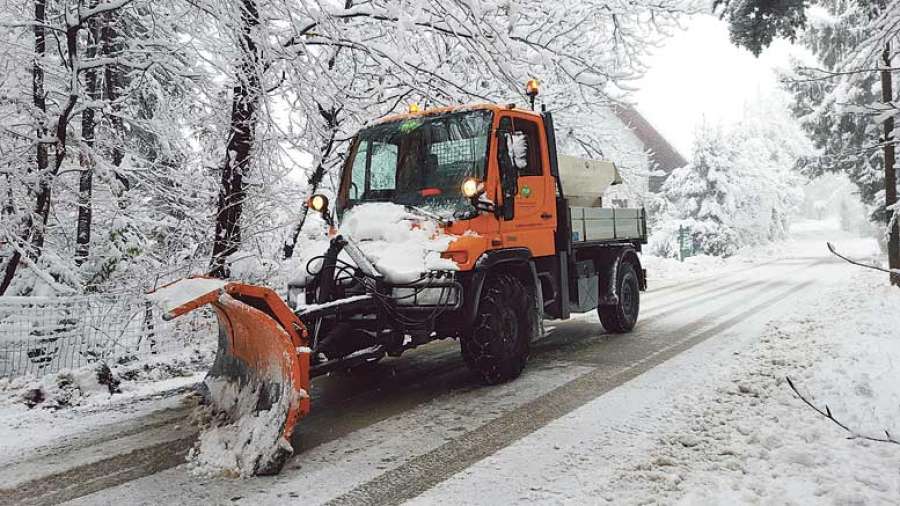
{"x": 739, "y": 190}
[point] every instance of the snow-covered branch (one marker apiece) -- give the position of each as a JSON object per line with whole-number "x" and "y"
{"x": 84, "y": 15}
{"x": 826, "y": 412}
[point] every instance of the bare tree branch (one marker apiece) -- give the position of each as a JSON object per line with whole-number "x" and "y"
{"x": 827, "y": 414}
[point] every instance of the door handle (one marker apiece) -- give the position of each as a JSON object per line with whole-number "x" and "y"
{"x": 546, "y": 215}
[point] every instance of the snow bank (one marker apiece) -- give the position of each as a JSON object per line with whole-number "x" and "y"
{"x": 237, "y": 440}
{"x": 69, "y": 387}
{"x": 808, "y": 239}
{"x": 55, "y": 408}
{"x": 746, "y": 438}
{"x": 402, "y": 245}
{"x": 100, "y": 384}
{"x": 179, "y": 293}
{"x": 757, "y": 442}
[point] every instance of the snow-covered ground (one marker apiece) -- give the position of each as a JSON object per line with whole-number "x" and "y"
{"x": 75, "y": 405}
{"x": 807, "y": 240}
{"x": 719, "y": 424}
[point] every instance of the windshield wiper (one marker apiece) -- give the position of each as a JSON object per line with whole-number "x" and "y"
{"x": 425, "y": 213}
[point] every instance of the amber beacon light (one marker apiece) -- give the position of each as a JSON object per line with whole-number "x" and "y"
{"x": 532, "y": 88}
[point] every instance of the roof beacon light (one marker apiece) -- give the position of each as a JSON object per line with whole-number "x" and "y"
{"x": 531, "y": 89}
{"x": 413, "y": 108}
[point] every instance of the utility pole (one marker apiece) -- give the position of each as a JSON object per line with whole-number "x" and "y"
{"x": 890, "y": 169}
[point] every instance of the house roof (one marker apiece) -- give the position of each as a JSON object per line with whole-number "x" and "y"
{"x": 663, "y": 155}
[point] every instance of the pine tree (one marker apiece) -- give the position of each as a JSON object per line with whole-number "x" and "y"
{"x": 704, "y": 195}
{"x": 740, "y": 188}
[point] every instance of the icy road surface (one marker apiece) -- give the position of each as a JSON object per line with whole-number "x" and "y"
{"x": 588, "y": 421}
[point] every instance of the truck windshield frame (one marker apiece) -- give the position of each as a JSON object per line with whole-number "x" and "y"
{"x": 420, "y": 161}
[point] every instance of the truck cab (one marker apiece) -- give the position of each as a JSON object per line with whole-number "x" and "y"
{"x": 423, "y": 159}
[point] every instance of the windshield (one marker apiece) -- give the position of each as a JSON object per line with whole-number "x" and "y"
{"x": 420, "y": 161}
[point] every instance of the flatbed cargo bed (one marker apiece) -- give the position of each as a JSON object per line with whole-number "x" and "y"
{"x": 601, "y": 224}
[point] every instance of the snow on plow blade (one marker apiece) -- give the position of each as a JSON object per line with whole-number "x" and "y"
{"x": 258, "y": 383}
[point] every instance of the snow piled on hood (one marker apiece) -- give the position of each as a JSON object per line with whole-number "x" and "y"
{"x": 401, "y": 244}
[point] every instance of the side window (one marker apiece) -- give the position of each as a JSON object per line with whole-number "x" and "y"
{"x": 525, "y": 148}
{"x": 358, "y": 179}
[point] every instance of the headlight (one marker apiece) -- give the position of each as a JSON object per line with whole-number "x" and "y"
{"x": 319, "y": 202}
{"x": 472, "y": 187}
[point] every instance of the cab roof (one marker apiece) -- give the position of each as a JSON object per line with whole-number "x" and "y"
{"x": 453, "y": 108}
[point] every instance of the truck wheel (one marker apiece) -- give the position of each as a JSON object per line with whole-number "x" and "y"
{"x": 621, "y": 317}
{"x": 496, "y": 348}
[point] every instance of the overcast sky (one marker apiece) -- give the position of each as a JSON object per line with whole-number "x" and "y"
{"x": 698, "y": 73}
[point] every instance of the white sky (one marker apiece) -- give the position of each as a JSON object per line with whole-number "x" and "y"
{"x": 699, "y": 73}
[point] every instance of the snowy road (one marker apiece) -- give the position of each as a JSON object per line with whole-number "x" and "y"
{"x": 399, "y": 431}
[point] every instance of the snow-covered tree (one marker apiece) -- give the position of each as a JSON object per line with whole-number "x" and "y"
{"x": 704, "y": 197}
{"x": 90, "y": 125}
{"x": 740, "y": 188}
{"x": 348, "y": 66}
{"x": 159, "y": 134}
{"x": 839, "y": 118}
{"x": 754, "y": 24}
{"x": 847, "y": 96}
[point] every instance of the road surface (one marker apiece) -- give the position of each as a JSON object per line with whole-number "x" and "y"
{"x": 395, "y": 432}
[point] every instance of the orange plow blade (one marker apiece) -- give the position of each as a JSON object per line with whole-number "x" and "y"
{"x": 259, "y": 381}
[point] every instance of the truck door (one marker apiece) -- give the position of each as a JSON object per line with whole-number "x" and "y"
{"x": 534, "y": 219}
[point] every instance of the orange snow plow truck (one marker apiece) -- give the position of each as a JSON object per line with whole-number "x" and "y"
{"x": 514, "y": 233}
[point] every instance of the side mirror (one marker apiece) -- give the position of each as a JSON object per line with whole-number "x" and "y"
{"x": 509, "y": 176}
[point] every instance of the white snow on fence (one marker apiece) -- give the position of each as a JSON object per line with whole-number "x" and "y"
{"x": 43, "y": 335}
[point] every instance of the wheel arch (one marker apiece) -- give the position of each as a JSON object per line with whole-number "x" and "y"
{"x": 608, "y": 266}
{"x": 516, "y": 261}
{"x": 630, "y": 255}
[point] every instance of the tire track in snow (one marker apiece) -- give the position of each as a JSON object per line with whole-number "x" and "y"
{"x": 82, "y": 480}
{"x": 421, "y": 473}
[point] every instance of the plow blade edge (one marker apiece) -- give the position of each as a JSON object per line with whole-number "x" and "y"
{"x": 260, "y": 378}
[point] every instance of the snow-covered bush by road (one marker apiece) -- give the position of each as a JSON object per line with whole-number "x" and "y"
{"x": 96, "y": 384}
{"x": 751, "y": 440}
{"x": 35, "y": 412}
{"x": 739, "y": 189}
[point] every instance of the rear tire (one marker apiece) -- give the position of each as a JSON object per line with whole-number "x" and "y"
{"x": 496, "y": 348}
{"x": 622, "y": 317}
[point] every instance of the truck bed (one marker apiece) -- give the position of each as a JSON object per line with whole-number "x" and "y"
{"x": 590, "y": 224}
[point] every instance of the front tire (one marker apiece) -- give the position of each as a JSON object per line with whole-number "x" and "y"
{"x": 496, "y": 348}
{"x": 622, "y": 317}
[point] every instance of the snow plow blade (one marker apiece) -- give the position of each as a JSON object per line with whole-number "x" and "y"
{"x": 259, "y": 381}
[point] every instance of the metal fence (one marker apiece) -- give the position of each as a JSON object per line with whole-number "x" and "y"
{"x": 42, "y": 335}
